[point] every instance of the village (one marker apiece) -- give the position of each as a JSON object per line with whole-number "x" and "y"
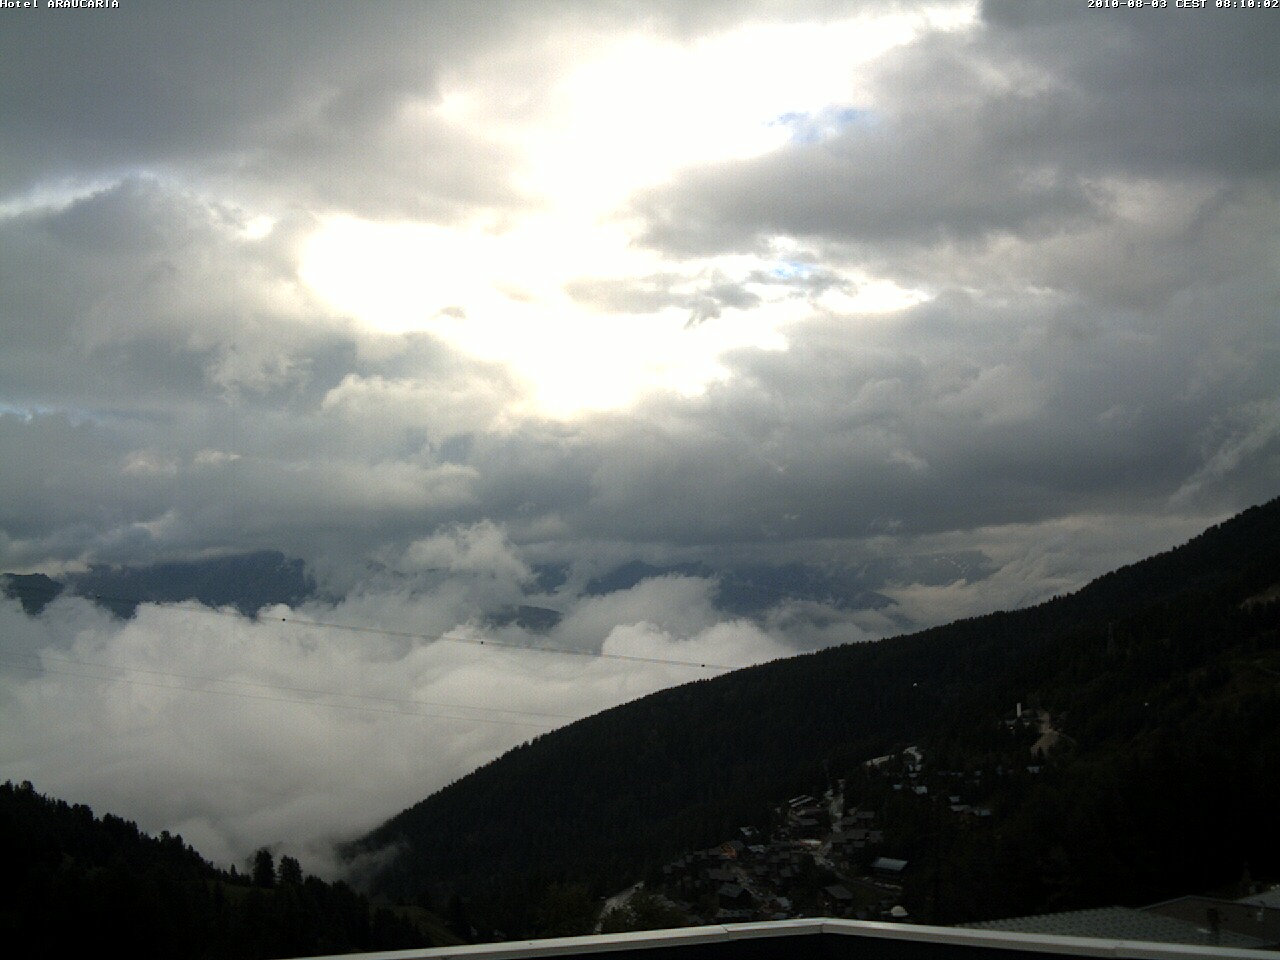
{"x": 833, "y": 855}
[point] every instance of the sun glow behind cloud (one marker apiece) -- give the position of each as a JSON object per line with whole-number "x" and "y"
{"x": 594, "y": 128}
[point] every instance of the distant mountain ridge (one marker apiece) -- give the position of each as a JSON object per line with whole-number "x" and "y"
{"x": 247, "y": 582}
{"x": 749, "y": 589}
{"x": 252, "y": 581}
{"x": 1161, "y": 672}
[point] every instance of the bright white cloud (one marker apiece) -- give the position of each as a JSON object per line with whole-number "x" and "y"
{"x": 239, "y": 733}
{"x": 482, "y": 548}
{"x": 606, "y": 116}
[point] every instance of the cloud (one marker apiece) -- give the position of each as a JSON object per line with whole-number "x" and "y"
{"x": 332, "y": 104}
{"x": 145, "y": 294}
{"x": 439, "y": 408}
{"x": 480, "y": 551}
{"x": 1010, "y": 130}
{"x": 720, "y": 644}
{"x": 238, "y": 732}
{"x": 1251, "y": 437}
{"x": 669, "y": 605}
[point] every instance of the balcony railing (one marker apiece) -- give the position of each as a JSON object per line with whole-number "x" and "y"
{"x": 819, "y": 939}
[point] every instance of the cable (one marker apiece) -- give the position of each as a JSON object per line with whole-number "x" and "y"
{"x": 254, "y": 696}
{"x": 566, "y": 651}
{"x": 401, "y": 634}
{"x": 201, "y": 607}
{"x": 42, "y": 658}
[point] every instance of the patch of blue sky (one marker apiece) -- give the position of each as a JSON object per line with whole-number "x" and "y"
{"x": 792, "y": 270}
{"x": 27, "y": 412}
{"x": 811, "y": 127}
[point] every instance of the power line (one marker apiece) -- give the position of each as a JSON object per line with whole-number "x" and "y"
{"x": 566, "y": 651}
{"x": 381, "y": 631}
{"x": 255, "y": 696}
{"x": 202, "y": 608}
{"x": 43, "y": 658}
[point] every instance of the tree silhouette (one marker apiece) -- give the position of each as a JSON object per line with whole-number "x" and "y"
{"x": 290, "y": 871}
{"x": 264, "y": 869}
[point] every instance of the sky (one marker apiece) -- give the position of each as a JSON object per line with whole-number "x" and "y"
{"x": 432, "y": 295}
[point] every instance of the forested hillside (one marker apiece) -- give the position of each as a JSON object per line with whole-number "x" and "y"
{"x": 84, "y": 885}
{"x": 1163, "y": 676}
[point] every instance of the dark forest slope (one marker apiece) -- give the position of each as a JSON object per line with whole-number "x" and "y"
{"x": 1166, "y": 675}
{"x": 79, "y": 883}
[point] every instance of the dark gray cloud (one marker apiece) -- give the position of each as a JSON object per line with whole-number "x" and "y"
{"x": 326, "y": 105}
{"x": 184, "y": 391}
{"x": 1017, "y": 130}
{"x": 929, "y": 183}
{"x": 1181, "y": 95}
{"x": 157, "y": 85}
{"x": 316, "y": 102}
